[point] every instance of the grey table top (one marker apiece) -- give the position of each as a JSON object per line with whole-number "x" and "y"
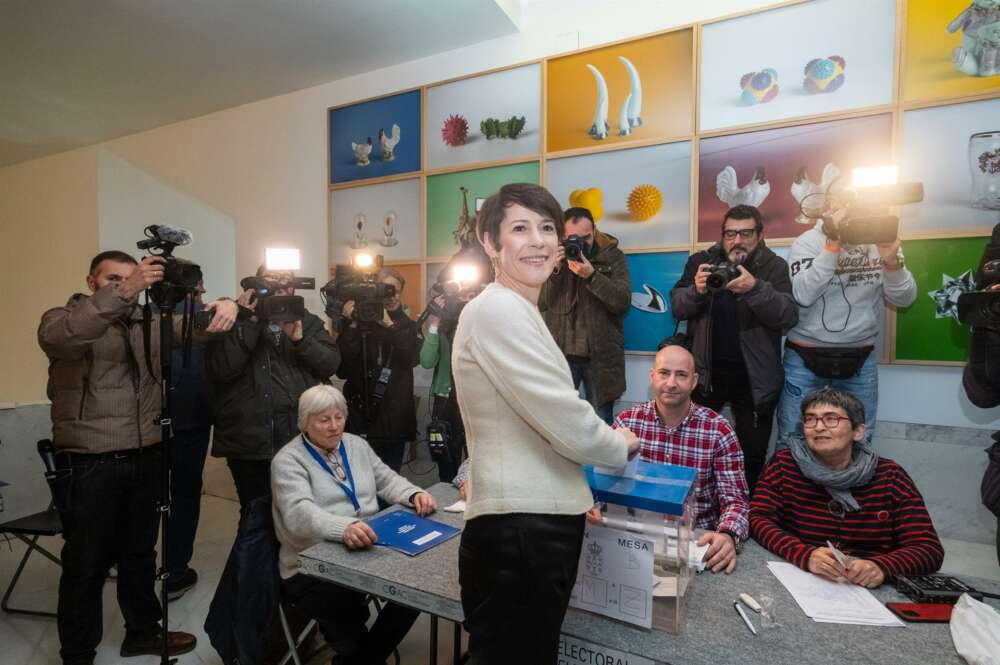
{"x": 713, "y": 633}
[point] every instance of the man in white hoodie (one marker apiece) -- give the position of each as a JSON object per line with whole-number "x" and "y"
{"x": 839, "y": 289}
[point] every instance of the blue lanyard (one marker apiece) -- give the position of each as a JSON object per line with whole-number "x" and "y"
{"x": 348, "y": 490}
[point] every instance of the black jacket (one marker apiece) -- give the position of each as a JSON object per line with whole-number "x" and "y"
{"x": 257, "y": 385}
{"x": 764, "y": 314}
{"x": 394, "y": 419}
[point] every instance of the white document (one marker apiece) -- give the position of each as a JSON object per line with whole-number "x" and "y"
{"x": 457, "y": 507}
{"x": 832, "y": 602}
{"x": 615, "y": 576}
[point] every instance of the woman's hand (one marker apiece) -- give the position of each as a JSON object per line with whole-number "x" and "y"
{"x": 595, "y": 516}
{"x": 463, "y": 491}
{"x": 424, "y": 503}
{"x": 822, "y": 562}
{"x": 359, "y": 536}
{"x": 631, "y": 440}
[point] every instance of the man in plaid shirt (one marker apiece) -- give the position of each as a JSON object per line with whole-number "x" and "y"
{"x": 674, "y": 430}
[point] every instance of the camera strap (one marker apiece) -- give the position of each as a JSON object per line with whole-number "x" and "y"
{"x": 349, "y": 488}
{"x": 147, "y": 335}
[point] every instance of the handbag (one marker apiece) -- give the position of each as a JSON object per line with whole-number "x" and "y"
{"x": 832, "y": 363}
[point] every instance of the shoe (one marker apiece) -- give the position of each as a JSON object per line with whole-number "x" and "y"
{"x": 177, "y": 643}
{"x": 178, "y": 585}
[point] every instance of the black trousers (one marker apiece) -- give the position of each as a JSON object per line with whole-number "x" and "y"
{"x": 342, "y": 613}
{"x": 252, "y": 478}
{"x": 517, "y": 572}
{"x": 446, "y": 409}
{"x": 753, "y": 428}
{"x": 110, "y": 518}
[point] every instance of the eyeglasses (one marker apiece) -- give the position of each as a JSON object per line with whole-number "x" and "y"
{"x": 746, "y": 234}
{"x": 831, "y": 420}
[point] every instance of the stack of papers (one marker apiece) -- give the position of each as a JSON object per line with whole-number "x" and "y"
{"x": 832, "y": 602}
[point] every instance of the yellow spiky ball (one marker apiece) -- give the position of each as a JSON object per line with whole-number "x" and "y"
{"x": 644, "y": 202}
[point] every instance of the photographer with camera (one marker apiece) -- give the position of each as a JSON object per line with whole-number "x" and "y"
{"x": 981, "y": 377}
{"x": 106, "y": 411}
{"x": 584, "y": 305}
{"x": 839, "y": 288}
{"x": 737, "y": 300}
{"x": 276, "y": 350}
{"x": 380, "y": 348}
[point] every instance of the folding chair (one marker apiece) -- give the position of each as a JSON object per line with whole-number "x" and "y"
{"x": 294, "y": 643}
{"x": 28, "y": 530}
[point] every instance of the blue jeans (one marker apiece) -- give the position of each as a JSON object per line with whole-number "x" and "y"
{"x": 187, "y": 462}
{"x": 799, "y": 381}
{"x": 582, "y": 374}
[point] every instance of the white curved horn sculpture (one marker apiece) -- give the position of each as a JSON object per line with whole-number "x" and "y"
{"x": 599, "y": 128}
{"x": 635, "y": 92}
{"x": 623, "y": 123}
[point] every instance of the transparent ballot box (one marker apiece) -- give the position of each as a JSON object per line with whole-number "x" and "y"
{"x": 634, "y": 568}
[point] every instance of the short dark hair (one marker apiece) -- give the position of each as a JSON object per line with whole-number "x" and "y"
{"x": 854, "y": 408}
{"x": 110, "y": 255}
{"x": 533, "y": 197}
{"x": 573, "y": 213}
{"x": 745, "y": 212}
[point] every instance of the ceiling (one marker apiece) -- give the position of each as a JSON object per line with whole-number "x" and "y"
{"x": 77, "y": 73}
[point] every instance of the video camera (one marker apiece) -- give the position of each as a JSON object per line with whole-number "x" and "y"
{"x": 982, "y": 308}
{"x": 357, "y": 282}
{"x": 180, "y": 276}
{"x": 274, "y": 308}
{"x": 859, "y": 215}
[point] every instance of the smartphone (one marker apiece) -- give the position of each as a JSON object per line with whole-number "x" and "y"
{"x": 922, "y": 612}
{"x": 203, "y": 318}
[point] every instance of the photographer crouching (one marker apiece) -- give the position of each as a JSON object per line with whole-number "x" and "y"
{"x": 276, "y": 350}
{"x": 106, "y": 410}
{"x": 584, "y": 305}
{"x": 379, "y": 344}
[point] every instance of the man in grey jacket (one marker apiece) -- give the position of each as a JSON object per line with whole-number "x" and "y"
{"x": 839, "y": 289}
{"x": 105, "y": 410}
{"x": 736, "y": 330}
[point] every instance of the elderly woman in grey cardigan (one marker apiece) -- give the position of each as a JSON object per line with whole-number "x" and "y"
{"x": 324, "y": 483}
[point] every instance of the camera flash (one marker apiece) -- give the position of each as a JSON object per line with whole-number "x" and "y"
{"x": 464, "y": 273}
{"x": 363, "y": 260}
{"x": 281, "y": 259}
{"x": 874, "y": 176}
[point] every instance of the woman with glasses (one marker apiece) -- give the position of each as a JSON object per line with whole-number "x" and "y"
{"x": 324, "y": 483}
{"x": 830, "y": 505}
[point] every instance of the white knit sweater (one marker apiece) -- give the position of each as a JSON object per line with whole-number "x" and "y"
{"x": 309, "y": 506}
{"x": 527, "y": 429}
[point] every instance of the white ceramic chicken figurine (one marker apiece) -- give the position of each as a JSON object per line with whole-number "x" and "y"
{"x": 361, "y": 151}
{"x": 388, "y": 143}
{"x": 802, "y": 186}
{"x": 752, "y": 194}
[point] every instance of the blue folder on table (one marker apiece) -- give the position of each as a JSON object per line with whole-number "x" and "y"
{"x": 409, "y": 533}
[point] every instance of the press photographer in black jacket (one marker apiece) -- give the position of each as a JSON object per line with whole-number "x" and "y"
{"x": 393, "y": 350}
{"x": 259, "y": 369}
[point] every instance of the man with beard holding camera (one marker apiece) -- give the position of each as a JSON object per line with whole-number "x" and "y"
{"x": 737, "y": 299}
{"x": 393, "y": 346}
{"x": 259, "y": 370}
{"x": 105, "y": 428}
{"x": 584, "y": 305}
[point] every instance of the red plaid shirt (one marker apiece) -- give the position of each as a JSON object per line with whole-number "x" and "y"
{"x": 703, "y": 441}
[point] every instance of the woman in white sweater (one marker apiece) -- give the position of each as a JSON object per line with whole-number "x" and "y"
{"x": 324, "y": 482}
{"x": 528, "y": 434}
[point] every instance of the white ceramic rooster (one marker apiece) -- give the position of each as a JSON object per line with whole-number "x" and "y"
{"x": 388, "y": 143}
{"x": 361, "y": 151}
{"x": 752, "y": 194}
{"x": 802, "y": 186}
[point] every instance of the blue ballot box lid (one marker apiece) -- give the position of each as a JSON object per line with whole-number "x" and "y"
{"x": 659, "y": 487}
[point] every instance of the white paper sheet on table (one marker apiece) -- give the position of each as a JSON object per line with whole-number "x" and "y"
{"x": 457, "y": 507}
{"x": 831, "y": 602}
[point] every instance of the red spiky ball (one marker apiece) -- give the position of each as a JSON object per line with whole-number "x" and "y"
{"x": 455, "y": 130}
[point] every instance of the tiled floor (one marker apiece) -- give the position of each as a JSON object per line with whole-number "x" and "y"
{"x": 34, "y": 641}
